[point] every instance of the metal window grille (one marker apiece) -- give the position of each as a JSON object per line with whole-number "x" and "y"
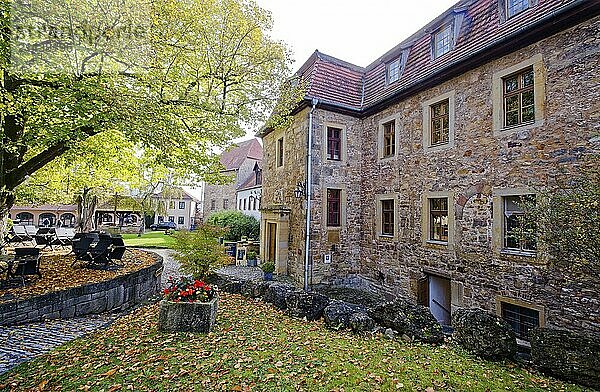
{"x": 521, "y": 319}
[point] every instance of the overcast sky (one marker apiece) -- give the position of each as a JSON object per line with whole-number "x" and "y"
{"x": 352, "y": 30}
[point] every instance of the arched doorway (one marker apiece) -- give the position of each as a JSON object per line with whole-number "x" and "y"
{"x": 24, "y": 218}
{"x": 47, "y": 219}
{"x": 67, "y": 219}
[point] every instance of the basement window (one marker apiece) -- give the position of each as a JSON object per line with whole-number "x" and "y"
{"x": 521, "y": 319}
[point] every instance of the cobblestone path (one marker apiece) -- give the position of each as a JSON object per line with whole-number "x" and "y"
{"x": 24, "y": 342}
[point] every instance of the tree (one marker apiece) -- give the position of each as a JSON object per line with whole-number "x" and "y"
{"x": 566, "y": 218}
{"x": 237, "y": 224}
{"x": 174, "y": 76}
{"x": 199, "y": 251}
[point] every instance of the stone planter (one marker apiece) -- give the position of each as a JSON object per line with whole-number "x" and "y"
{"x": 187, "y": 316}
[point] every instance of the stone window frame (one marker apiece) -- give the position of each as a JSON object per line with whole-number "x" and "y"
{"x": 498, "y": 196}
{"x": 378, "y": 215}
{"x": 380, "y": 130}
{"x": 539, "y": 96}
{"x": 344, "y": 142}
{"x": 451, "y": 97}
{"x": 426, "y": 221}
{"x": 343, "y": 205}
{"x": 280, "y": 152}
{"x": 524, "y": 304}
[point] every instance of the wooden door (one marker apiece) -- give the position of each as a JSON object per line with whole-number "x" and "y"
{"x": 271, "y": 242}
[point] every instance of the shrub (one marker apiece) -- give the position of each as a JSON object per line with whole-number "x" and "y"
{"x": 199, "y": 251}
{"x": 251, "y": 255}
{"x": 268, "y": 267}
{"x": 237, "y": 224}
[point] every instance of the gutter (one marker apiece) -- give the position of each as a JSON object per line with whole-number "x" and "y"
{"x": 308, "y": 187}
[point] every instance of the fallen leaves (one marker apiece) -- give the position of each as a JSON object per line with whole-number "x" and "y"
{"x": 257, "y": 348}
{"x": 58, "y": 275}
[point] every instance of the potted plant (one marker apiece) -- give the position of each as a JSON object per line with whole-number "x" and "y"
{"x": 251, "y": 258}
{"x": 188, "y": 305}
{"x": 268, "y": 269}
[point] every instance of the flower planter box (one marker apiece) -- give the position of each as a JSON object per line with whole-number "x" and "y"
{"x": 187, "y": 316}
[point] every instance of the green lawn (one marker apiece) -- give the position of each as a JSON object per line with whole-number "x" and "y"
{"x": 150, "y": 239}
{"x": 257, "y": 348}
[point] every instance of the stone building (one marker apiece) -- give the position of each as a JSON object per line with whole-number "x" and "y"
{"x": 241, "y": 164}
{"x": 419, "y": 162}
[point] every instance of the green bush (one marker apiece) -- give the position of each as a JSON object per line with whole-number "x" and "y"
{"x": 237, "y": 225}
{"x": 268, "y": 267}
{"x": 199, "y": 251}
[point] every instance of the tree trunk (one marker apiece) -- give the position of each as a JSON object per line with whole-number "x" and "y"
{"x": 7, "y": 200}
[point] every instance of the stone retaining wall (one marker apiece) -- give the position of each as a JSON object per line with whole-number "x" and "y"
{"x": 119, "y": 293}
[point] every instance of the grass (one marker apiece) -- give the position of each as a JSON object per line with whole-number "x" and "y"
{"x": 257, "y": 348}
{"x": 151, "y": 239}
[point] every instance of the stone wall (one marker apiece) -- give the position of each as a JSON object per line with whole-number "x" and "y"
{"x": 120, "y": 293}
{"x": 479, "y": 164}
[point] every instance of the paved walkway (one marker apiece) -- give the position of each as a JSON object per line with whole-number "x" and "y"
{"x": 24, "y": 342}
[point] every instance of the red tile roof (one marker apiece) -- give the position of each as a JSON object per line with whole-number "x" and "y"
{"x": 347, "y": 86}
{"x": 234, "y": 158}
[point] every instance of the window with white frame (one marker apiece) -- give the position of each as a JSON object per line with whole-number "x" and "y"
{"x": 438, "y": 219}
{"x": 518, "y": 94}
{"x": 180, "y": 220}
{"x": 442, "y": 41}
{"x": 393, "y": 70}
{"x": 514, "y": 7}
{"x": 389, "y": 139}
{"x": 518, "y": 229}
{"x": 182, "y": 205}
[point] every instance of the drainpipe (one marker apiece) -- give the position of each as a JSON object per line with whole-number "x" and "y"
{"x": 315, "y": 101}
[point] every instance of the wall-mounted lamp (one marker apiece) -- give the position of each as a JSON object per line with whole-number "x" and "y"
{"x": 300, "y": 191}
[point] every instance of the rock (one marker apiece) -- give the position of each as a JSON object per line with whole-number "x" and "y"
{"x": 187, "y": 316}
{"x": 233, "y": 286}
{"x": 416, "y": 321}
{"x": 390, "y": 333}
{"x": 276, "y": 294}
{"x": 337, "y": 314}
{"x": 254, "y": 288}
{"x": 361, "y": 322}
{"x": 224, "y": 283}
{"x": 303, "y": 304}
{"x": 573, "y": 356}
{"x": 484, "y": 334}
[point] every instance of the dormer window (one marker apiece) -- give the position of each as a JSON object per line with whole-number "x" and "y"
{"x": 393, "y": 71}
{"x": 514, "y": 7}
{"x": 442, "y": 41}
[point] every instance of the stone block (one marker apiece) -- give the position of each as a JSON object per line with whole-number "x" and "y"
{"x": 337, "y": 314}
{"x": 276, "y": 294}
{"x": 307, "y": 305}
{"x": 415, "y": 321}
{"x": 361, "y": 322}
{"x": 187, "y": 316}
{"x": 573, "y": 356}
{"x": 484, "y": 334}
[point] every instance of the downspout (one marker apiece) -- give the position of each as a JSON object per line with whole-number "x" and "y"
{"x": 315, "y": 101}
